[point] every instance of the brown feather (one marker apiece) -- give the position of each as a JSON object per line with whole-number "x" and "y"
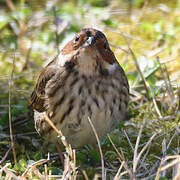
{"x": 84, "y": 80}
{"x": 36, "y": 100}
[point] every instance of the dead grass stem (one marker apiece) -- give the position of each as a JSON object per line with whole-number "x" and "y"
{"x": 10, "y": 116}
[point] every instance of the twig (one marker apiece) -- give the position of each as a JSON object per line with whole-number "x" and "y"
{"x": 172, "y": 163}
{"x": 168, "y": 84}
{"x": 142, "y": 11}
{"x": 153, "y": 169}
{"x": 166, "y": 61}
{"x": 58, "y": 131}
{"x": 118, "y": 176}
{"x": 100, "y": 150}
{"x": 10, "y": 5}
{"x": 74, "y": 166}
{"x": 177, "y": 160}
{"x": 170, "y": 141}
{"x": 122, "y": 159}
{"x": 55, "y": 21}
{"x": 6, "y": 170}
{"x": 132, "y": 148}
{"x": 136, "y": 155}
{"x": 176, "y": 172}
{"x": 137, "y": 67}
{"x": 42, "y": 161}
{"x": 145, "y": 147}
{"x": 46, "y": 172}
{"x": 97, "y": 177}
{"x": 154, "y": 100}
{"x": 10, "y": 117}
{"x": 37, "y": 173}
{"x": 136, "y": 149}
{"x": 25, "y": 66}
{"x": 85, "y": 175}
{"x": 124, "y": 173}
{"x": 126, "y": 35}
{"x": 164, "y": 149}
{"x": 70, "y": 158}
{"x": 179, "y": 100}
{"x": 115, "y": 148}
{"x": 118, "y": 47}
{"x": 156, "y": 51}
{"x": 5, "y": 156}
{"x": 49, "y": 175}
{"x": 143, "y": 159}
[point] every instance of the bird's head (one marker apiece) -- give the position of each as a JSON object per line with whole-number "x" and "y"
{"x": 90, "y": 51}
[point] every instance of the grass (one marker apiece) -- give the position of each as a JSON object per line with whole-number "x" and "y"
{"x": 145, "y": 147}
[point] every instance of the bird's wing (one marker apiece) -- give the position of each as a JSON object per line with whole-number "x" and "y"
{"x": 37, "y": 98}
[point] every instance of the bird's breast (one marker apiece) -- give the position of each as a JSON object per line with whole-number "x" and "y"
{"x": 102, "y": 99}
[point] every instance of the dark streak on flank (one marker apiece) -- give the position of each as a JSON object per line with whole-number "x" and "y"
{"x": 105, "y": 91}
{"x": 76, "y": 79}
{"x": 97, "y": 87}
{"x": 80, "y": 115}
{"x": 126, "y": 102}
{"x": 78, "y": 118}
{"x": 97, "y": 65}
{"x": 81, "y": 111}
{"x": 99, "y": 82}
{"x": 59, "y": 85}
{"x": 89, "y": 110}
{"x": 89, "y": 91}
{"x": 112, "y": 85}
{"x": 111, "y": 110}
{"x": 104, "y": 99}
{"x": 76, "y": 73}
{"x": 67, "y": 112}
{"x": 103, "y": 72}
{"x": 58, "y": 103}
{"x": 120, "y": 106}
{"x": 114, "y": 101}
{"x": 96, "y": 101}
{"x": 84, "y": 78}
{"x": 80, "y": 90}
{"x": 71, "y": 101}
{"x": 69, "y": 65}
{"x": 82, "y": 103}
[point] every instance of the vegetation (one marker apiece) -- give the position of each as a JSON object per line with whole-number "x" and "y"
{"x": 145, "y": 37}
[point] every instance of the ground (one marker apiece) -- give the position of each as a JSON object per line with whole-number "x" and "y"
{"x": 144, "y": 36}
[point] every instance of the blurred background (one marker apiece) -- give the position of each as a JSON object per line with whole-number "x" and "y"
{"x": 32, "y": 33}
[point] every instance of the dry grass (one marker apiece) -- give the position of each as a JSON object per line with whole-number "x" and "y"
{"x": 166, "y": 163}
{"x": 152, "y": 149}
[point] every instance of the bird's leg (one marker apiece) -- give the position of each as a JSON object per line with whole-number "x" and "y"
{"x": 60, "y": 153}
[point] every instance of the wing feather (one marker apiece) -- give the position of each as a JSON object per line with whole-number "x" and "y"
{"x": 37, "y": 98}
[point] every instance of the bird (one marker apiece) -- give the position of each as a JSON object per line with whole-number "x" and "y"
{"x": 83, "y": 81}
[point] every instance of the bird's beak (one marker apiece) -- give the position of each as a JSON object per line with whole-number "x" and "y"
{"x": 90, "y": 40}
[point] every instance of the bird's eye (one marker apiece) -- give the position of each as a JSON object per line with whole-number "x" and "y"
{"x": 105, "y": 46}
{"x": 77, "y": 39}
